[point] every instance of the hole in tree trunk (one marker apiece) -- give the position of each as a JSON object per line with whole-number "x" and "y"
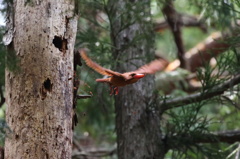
{"x": 46, "y": 87}
{"x": 60, "y": 43}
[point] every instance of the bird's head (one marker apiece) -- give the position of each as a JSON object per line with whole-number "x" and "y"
{"x": 132, "y": 76}
{"x": 137, "y": 75}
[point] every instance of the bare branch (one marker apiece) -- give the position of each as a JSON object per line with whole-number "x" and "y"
{"x": 215, "y": 44}
{"x": 83, "y": 96}
{"x": 212, "y": 46}
{"x": 95, "y": 153}
{"x": 196, "y": 97}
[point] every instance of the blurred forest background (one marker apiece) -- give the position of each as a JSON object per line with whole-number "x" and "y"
{"x": 180, "y": 32}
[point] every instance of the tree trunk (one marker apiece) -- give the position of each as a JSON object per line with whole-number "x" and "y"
{"x": 39, "y": 95}
{"x": 138, "y": 126}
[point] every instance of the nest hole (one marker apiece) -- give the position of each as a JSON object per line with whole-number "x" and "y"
{"x": 47, "y": 85}
{"x": 60, "y": 43}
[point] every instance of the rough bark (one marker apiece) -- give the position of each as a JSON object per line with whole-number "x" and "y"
{"x": 39, "y": 96}
{"x": 138, "y": 130}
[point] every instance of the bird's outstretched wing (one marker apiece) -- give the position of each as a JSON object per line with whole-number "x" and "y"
{"x": 153, "y": 67}
{"x": 96, "y": 66}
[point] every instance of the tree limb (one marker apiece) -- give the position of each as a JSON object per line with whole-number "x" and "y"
{"x": 212, "y": 46}
{"x": 215, "y": 44}
{"x": 196, "y": 97}
{"x": 225, "y": 136}
{"x": 192, "y": 139}
{"x": 171, "y": 17}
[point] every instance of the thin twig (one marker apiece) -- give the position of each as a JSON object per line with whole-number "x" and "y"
{"x": 95, "y": 153}
{"x": 83, "y": 96}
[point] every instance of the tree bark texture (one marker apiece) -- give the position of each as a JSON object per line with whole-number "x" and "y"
{"x": 39, "y": 95}
{"x": 137, "y": 125}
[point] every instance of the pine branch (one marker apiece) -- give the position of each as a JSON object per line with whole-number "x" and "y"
{"x": 225, "y": 136}
{"x": 171, "y": 17}
{"x": 172, "y": 142}
{"x": 196, "y": 97}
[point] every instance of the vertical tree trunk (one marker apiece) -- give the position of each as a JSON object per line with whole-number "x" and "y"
{"x": 39, "y": 96}
{"x": 138, "y": 126}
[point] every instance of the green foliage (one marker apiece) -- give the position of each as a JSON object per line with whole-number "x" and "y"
{"x": 219, "y": 13}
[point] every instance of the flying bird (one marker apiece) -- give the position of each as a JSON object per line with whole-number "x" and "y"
{"x": 117, "y": 79}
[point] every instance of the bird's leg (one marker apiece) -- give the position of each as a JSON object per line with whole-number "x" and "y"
{"x": 115, "y": 90}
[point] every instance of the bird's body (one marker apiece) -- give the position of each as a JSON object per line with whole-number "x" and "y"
{"x": 117, "y": 79}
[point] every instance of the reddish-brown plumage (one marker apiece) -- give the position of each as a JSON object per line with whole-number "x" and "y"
{"x": 117, "y": 79}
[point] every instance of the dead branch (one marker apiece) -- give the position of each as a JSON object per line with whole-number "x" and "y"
{"x": 196, "y": 97}
{"x": 202, "y": 52}
{"x": 83, "y": 96}
{"x": 175, "y": 26}
{"x": 94, "y": 153}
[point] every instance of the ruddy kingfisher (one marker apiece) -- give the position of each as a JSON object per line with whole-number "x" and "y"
{"x": 117, "y": 79}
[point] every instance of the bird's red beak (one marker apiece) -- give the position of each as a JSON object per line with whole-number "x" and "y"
{"x": 138, "y": 76}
